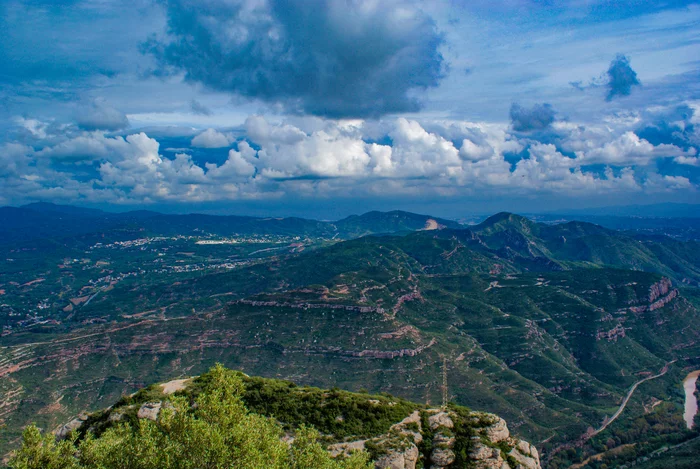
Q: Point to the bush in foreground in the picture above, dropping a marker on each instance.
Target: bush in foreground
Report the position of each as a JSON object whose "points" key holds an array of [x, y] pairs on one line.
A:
{"points": [[216, 432]]}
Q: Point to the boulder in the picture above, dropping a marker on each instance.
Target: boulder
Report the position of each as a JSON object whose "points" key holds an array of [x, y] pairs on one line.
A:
{"points": [[440, 439], [346, 448], [441, 457], [441, 419], [64, 431], [527, 449], [413, 420], [149, 410], [486, 457], [497, 431], [399, 459], [526, 455]]}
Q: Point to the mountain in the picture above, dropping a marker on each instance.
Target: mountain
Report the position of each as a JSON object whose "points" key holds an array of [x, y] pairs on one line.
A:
{"points": [[219, 419], [389, 222], [578, 244], [69, 210], [50, 221], [547, 326]]}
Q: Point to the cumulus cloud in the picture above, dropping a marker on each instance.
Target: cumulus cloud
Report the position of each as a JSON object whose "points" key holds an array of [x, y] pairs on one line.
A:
{"points": [[548, 169], [537, 117], [629, 149], [674, 125], [328, 158], [212, 138], [328, 57], [621, 77], [98, 115]]}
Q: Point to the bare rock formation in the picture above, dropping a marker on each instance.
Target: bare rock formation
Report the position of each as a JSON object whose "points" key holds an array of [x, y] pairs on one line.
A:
{"points": [[149, 410]]}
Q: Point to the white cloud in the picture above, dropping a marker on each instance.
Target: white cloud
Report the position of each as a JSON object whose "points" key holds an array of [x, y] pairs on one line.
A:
{"points": [[326, 158], [628, 149], [211, 138]]}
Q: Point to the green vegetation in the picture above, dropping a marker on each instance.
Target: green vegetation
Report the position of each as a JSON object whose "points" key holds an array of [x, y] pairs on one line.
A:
{"points": [[217, 432], [546, 326]]}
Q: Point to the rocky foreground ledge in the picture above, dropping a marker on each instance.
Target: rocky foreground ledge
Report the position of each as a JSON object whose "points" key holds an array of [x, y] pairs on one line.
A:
{"points": [[491, 445], [425, 437]]}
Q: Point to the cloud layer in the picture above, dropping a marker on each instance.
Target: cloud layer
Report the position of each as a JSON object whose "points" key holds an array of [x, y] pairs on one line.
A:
{"points": [[184, 101], [99, 115], [326, 158], [326, 57]]}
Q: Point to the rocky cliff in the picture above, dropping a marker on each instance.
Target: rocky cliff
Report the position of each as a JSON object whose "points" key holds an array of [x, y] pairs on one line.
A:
{"points": [[425, 437]]}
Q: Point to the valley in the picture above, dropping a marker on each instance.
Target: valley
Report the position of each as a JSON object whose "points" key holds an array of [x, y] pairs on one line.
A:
{"points": [[558, 329]]}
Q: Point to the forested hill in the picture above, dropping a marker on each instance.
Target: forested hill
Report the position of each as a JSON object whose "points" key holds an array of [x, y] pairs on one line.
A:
{"points": [[43, 220], [225, 420]]}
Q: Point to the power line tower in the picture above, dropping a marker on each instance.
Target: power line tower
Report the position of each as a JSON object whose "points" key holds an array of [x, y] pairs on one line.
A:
{"points": [[445, 395]]}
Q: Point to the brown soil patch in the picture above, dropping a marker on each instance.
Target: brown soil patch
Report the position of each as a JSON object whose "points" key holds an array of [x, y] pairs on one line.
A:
{"points": [[28, 284], [174, 385]]}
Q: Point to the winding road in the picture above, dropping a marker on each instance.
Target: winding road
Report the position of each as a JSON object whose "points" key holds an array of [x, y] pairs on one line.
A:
{"points": [[627, 398]]}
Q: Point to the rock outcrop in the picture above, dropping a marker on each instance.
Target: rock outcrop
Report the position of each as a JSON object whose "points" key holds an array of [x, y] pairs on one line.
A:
{"points": [[440, 419], [149, 410], [660, 294], [428, 438], [402, 459], [659, 289], [65, 430], [487, 457], [401, 444]]}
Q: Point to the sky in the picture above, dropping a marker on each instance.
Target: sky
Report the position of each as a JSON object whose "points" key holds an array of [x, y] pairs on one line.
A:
{"points": [[324, 108]]}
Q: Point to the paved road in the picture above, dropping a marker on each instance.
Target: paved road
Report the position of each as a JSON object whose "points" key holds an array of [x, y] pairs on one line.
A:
{"points": [[628, 396]]}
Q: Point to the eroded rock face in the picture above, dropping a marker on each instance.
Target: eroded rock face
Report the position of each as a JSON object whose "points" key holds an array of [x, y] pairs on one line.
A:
{"points": [[660, 294], [344, 448], [525, 459], [485, 457], [441, 419], [149, 410], [441, 457], [405, 459], [498, 431], [659, 289], [64, 431]]}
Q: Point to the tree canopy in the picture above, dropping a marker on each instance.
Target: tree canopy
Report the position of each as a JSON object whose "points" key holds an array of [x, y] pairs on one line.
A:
{"points": [[216, 432]]}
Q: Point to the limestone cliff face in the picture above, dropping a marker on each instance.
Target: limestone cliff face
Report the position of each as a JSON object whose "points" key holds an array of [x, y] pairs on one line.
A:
{"points": [[660, 294], [659, 289], [489, 447]]}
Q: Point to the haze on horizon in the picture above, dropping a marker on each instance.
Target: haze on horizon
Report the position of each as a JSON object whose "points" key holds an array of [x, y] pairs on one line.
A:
{"points": [[327, 107]]}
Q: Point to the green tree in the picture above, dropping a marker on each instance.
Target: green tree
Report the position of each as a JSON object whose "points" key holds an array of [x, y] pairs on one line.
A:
{"points": [[39, 452], [217, 432]]}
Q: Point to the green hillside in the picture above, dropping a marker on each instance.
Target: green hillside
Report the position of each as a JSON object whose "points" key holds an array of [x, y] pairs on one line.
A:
{"points": [[225, 419], [548, 326]]}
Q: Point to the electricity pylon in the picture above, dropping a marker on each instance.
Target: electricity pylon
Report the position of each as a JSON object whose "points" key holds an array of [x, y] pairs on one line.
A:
{"points": [[445, 394]]}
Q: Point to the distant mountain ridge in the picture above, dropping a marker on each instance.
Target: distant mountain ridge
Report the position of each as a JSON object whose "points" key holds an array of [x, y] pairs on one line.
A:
{"points": [[40, 220], [516, 240]]}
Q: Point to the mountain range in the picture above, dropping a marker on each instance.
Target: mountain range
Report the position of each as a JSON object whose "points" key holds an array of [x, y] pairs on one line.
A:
{"points": [[547, 325]]}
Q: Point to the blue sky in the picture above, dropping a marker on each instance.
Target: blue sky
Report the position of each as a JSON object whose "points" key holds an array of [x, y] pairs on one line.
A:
{"points": [[324, 108]]}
